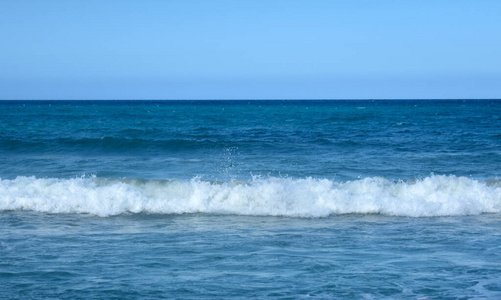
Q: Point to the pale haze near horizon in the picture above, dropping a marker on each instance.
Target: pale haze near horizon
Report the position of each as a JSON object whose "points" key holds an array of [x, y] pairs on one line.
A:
{"points": [[250, 49]]}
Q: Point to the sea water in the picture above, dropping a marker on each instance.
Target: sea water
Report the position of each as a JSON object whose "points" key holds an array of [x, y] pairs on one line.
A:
{"points": [[250, 199]]}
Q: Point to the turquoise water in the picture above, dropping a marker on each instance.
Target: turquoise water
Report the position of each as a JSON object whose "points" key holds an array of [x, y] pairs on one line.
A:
{"points": [[239, 199]]}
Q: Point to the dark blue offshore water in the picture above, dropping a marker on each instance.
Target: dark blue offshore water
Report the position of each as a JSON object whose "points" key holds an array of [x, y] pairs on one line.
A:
{"points": [[341, 140], [250, 199]]}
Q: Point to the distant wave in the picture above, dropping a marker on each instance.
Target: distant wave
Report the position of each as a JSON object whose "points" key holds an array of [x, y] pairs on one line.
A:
{"points": [[107, 144], [436, 195]]}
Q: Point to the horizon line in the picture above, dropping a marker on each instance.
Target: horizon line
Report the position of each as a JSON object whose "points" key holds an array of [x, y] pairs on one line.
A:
{"points": [[268, 99]]}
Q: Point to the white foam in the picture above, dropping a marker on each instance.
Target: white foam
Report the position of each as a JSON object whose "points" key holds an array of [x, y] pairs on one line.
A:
{"points": [[431, 196]]}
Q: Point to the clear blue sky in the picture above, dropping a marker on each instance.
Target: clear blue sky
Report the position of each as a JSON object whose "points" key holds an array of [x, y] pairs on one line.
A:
{"points": [[250, 49]]}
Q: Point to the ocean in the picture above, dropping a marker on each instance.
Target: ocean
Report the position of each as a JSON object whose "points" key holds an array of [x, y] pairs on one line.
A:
{"points": [[250, 199]]}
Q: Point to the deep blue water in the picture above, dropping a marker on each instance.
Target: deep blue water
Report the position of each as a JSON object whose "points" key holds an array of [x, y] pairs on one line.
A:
{"points": [[340, 140], [239, 199]]}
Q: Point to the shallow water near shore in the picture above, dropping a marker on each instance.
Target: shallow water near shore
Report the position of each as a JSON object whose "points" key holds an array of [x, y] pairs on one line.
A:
{"points": [[227, 256]]}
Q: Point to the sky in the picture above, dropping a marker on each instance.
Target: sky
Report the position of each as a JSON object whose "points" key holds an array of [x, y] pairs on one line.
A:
{"points": [[271, 49]]}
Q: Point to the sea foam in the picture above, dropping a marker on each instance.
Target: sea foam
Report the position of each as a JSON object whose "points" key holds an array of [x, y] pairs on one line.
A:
{"points": [[437, 195]]}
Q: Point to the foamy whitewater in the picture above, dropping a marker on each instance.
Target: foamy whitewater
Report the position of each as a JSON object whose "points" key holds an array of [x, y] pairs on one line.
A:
{"points": [[428, 197], [250, 199]]}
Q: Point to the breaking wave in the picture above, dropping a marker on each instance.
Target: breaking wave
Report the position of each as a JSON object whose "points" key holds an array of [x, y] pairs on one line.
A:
{"points": [[436, 195]]}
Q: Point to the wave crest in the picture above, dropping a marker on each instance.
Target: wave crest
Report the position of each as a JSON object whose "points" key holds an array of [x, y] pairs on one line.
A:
{"points": [[436, 195]]}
